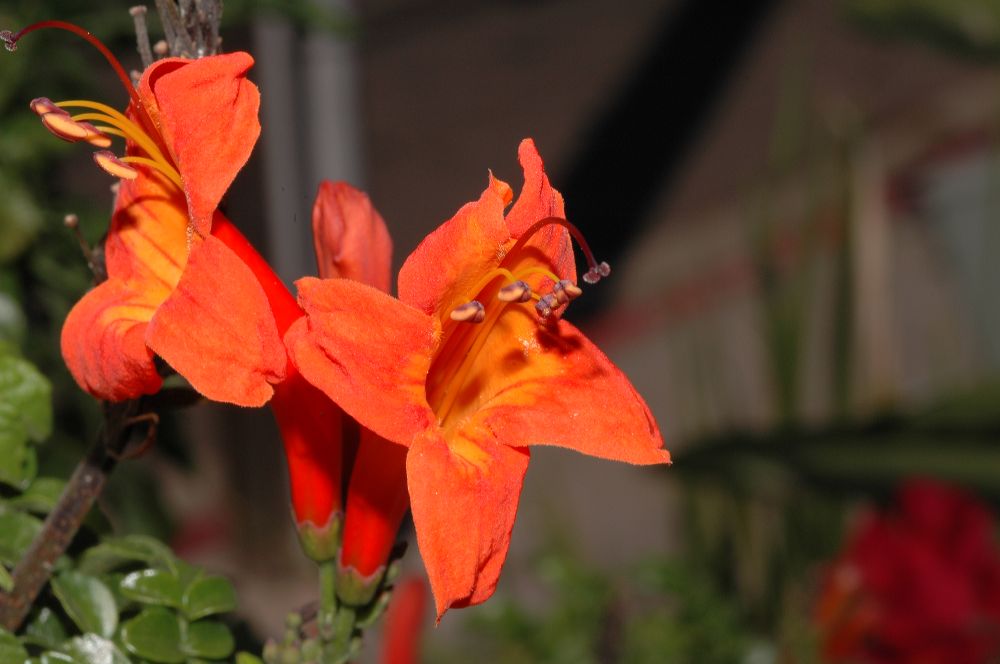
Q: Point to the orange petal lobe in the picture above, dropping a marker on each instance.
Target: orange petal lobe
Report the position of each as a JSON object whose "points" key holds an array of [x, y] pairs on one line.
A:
{"points": [[368, 352], [539, 200], [549, 385], [464, 498], [216, 329], [350, 237], [443, 270], [207, 109], [103, 342]]}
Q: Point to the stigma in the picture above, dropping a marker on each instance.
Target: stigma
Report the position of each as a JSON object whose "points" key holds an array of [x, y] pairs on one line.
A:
{"points": [[97, 123]]}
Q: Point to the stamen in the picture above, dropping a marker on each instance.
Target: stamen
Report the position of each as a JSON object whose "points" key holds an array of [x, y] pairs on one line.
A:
{"points": [[470, 312], [42, 105], [63, 126], [566, 290], [114, 166], [159, 166], [519, 291], [546, 306], [116, 118]]}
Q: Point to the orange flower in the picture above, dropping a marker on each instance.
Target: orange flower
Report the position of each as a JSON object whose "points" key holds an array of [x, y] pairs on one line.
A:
{"points": [[183, 283], [189, 128], [463, 371]]}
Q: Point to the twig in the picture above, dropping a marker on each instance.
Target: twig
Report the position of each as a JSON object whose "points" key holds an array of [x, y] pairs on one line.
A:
{"points": [[142, 35], [63, 522]]}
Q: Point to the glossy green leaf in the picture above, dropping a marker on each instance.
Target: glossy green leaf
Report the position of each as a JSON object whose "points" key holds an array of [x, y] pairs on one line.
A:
{"points": [[41, 496], [152, 586], [45, 630], [114, 552], [209, 639], [92, 649], [155, 634], [208, 595], [87, 601], [11, 650], [18, 529], [25, 415]]}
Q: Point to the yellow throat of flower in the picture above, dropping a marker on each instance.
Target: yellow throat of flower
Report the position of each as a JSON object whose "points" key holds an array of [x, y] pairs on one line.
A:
{"points": [[468, 326]]}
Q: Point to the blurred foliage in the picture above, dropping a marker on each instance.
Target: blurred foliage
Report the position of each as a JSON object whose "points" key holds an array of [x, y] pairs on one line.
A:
{"points": [[660, 611], [969, 28]]}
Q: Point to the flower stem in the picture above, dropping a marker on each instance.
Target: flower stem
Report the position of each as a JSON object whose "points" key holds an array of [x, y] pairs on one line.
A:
{"points": [[33, 570]]}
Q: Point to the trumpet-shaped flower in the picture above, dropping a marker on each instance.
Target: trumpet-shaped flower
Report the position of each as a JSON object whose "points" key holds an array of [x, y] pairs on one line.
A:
{"points": [[189, 127], [183, 283], [470, 368]]}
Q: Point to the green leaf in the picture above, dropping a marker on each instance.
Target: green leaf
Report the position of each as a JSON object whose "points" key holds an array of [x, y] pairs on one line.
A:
{"points": [[45, 630], [209, 639], [154, 634], [92, 649], [208, 595], [87, 601], [247, 658], [41, 496], [152, 586], [53, 657], [19, 529], [114, 552], [12, 322], [6, 580], [11, 650], [25, 415]]}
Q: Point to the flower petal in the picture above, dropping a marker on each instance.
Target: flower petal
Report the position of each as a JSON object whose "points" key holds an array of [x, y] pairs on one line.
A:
{"points": [[537, 201], [216, 329], [443, 270], [103, 342], [207, 110], [549, 385], [147, 241], [464, 498], [368, 352], [350, 237]]}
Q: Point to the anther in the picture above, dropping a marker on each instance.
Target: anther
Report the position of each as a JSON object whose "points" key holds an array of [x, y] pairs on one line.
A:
{"points": [[546, 305], [598, 271], [470, 312], [65, 127], [518, 291], [42, 105], [566, 290], [161, 49], [114, 166]]}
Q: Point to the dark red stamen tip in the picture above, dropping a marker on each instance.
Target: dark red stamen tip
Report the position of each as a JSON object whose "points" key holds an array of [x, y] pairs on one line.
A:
{"points": [[10, 40]]}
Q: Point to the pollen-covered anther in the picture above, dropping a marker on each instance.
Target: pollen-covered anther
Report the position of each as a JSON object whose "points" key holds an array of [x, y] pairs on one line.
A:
{"points": [[565, 291], [518, 291], [546, 305], [111, 164], [598, 271], [65, 127], [470, 312]]}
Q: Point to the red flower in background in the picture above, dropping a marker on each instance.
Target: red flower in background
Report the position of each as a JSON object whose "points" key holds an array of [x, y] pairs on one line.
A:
{"points": [[917, 584]]}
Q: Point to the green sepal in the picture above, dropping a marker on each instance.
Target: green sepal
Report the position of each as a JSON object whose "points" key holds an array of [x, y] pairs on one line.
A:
{"points": [[321, 543]]}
